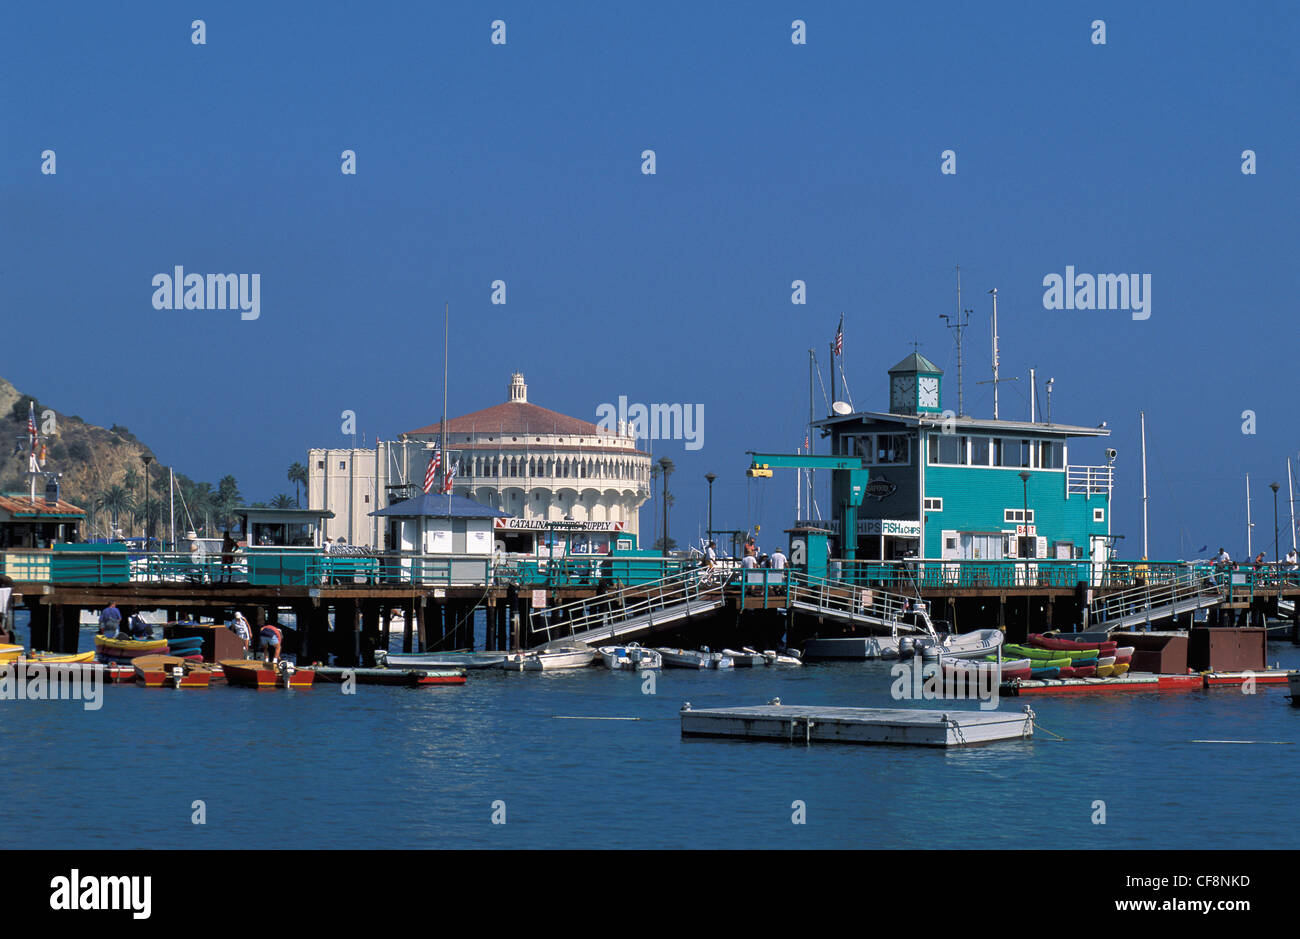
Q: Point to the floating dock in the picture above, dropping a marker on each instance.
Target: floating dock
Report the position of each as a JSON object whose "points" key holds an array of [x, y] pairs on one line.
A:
{"points": [[1141, 681], [391, 676], [903, 726]]}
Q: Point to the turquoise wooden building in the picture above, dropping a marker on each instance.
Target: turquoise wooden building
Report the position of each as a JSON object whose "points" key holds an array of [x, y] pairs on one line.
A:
{"points": [[945, 486]]}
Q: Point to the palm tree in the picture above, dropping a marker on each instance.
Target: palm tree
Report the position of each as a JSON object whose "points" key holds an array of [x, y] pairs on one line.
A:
{"points": [[297, 474], [115, 500], [227, 500], [284, 501], [666, 466]]}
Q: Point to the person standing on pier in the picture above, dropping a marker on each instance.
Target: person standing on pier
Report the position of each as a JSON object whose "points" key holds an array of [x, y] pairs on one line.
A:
{"points": [[228, 547], [778, 560]]}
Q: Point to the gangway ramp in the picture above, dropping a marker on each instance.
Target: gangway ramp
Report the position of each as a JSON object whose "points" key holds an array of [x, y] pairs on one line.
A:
{"points": [[848, 603], [1151, 603], [635, 610]]}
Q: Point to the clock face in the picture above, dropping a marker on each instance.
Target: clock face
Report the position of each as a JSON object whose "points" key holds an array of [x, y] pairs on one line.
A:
{"points": [[904, 391], [927, 392]]}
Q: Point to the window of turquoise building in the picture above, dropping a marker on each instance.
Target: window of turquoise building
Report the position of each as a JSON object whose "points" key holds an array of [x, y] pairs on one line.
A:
{"points": [[947, 449], [979, 451], [893, 450]]}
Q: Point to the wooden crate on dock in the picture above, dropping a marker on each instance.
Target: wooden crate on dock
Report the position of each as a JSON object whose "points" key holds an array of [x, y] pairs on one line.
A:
{"points": [[1159, 653]]}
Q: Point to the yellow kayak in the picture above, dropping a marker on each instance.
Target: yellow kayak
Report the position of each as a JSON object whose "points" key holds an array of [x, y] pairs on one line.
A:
{"points": [[129, 648], [9, 653], [58, 657]]}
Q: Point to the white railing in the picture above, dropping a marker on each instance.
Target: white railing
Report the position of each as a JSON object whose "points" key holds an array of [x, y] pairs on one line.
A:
{"points": [[837, 598], [1193, 590], [1089, 480]]}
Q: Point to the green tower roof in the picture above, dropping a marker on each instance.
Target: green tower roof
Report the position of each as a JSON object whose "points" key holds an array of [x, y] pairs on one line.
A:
{"points": [[916, 363]]}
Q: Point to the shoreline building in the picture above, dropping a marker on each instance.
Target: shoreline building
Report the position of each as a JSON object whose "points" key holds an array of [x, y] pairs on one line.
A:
{"points": [[523, 460], [943, 486]]}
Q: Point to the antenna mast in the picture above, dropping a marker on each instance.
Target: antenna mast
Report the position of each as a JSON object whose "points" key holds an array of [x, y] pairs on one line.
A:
{"points": [[994, 291], [958, 324]]}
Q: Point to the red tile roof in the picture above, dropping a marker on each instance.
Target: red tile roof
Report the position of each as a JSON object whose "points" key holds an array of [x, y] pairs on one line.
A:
{"points": [[515, 417], [23, 506]]}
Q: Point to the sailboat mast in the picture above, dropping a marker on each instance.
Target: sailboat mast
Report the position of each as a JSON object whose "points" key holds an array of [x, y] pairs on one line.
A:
{"points": [[812, 360], [1290, 490], [442, 443], [1142, 415], [1249, 524], [994, 291]]}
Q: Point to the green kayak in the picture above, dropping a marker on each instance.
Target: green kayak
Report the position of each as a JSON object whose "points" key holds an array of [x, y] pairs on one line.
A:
{"points": [[1057, 657]]}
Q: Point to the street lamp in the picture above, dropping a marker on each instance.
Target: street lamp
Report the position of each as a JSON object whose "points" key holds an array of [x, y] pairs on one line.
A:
{"points": [[1274, 487], [1024, 518], [710, 477], [147, 460]]}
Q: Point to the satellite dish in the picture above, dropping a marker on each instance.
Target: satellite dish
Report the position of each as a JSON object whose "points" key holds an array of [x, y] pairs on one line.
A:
{"points": [[841, 407]]}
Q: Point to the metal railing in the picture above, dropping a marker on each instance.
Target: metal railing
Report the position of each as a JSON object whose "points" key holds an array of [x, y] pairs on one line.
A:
{"points": [[1088, 480], [1198, 587], [691, 589], [840, 598]]}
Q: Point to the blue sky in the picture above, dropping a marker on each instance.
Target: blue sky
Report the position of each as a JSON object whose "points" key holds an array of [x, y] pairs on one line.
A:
{"points": [[775, 162]]}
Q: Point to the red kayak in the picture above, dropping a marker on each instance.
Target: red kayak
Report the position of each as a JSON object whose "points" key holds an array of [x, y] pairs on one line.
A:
{"points": [[1050, 642], [1083, 671]]}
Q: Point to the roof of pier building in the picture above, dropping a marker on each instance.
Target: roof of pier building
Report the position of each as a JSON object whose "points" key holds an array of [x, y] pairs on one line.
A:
{"points": [[516, 418]]}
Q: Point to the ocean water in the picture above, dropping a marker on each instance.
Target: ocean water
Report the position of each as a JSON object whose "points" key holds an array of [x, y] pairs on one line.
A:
{"points": [[430, 767]]}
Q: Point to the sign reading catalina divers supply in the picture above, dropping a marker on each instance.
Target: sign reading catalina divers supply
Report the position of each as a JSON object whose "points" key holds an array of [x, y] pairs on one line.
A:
{"points": [[541, 524], [880, 488]]}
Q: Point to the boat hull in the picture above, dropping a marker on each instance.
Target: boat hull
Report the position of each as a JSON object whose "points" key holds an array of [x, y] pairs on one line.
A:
{"points": [[249, 673], [397, 677], [156, 671]]}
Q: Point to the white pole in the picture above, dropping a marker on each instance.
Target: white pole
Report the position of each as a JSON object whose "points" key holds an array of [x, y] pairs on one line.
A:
{"points": [[1291, 492], [171, 502], [1143, 416], [1033, 389], [994, 291], [798, 489], [1250, 551]]}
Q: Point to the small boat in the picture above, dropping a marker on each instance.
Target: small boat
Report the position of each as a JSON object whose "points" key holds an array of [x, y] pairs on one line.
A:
{"points": [[551, 658], [408, 677], [786, 657], [746, 658], [254, 673], [440, 660], [169, 671], [52, 658], [972, 645], [630, 657], [685, 658], [125, 649], [967, 670]]}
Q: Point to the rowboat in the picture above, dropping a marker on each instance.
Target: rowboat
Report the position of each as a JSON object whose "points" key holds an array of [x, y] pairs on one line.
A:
{"points": [[549, 659], [410, 677], [970, 645], [965, 670], [169, 671], [254, 673], [630, 657], [440, 660], [123, 649]]}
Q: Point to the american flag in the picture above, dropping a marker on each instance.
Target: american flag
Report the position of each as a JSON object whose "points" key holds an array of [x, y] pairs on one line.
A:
{"points": [[431, 473], [446, 480], [839, 337]]}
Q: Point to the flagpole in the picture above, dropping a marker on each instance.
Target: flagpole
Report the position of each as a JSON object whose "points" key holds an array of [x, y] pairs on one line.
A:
{"points": [[446, 319], [1291, 492]]}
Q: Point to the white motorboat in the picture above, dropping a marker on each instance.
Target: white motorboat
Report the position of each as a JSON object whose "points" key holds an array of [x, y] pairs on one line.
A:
{"points": [[972, 645], [685, 658], [747, 658], [789, 657], [437, 660], [630, 657], [550, 659]]}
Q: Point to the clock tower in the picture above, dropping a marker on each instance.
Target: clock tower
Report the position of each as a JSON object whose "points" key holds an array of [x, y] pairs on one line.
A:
{"points": [[914, 386]]}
